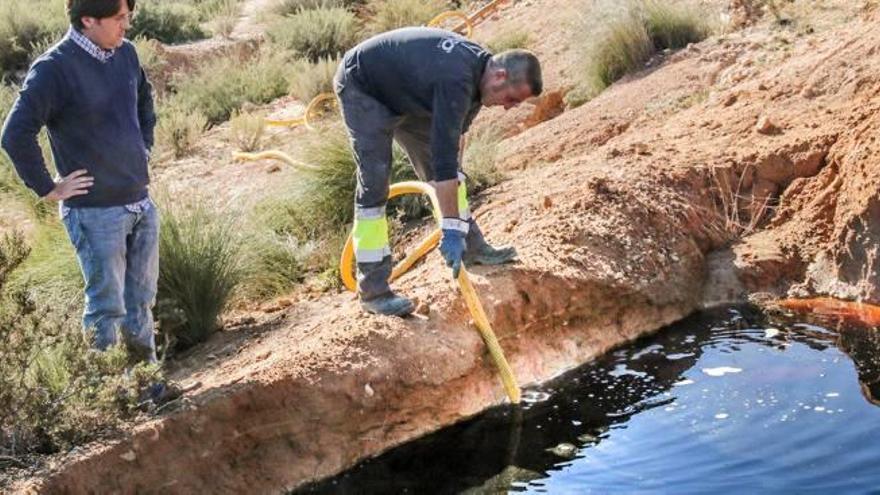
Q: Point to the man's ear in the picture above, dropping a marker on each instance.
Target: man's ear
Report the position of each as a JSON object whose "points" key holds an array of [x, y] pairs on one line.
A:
{"points": [[88, 22], [500, 75]]}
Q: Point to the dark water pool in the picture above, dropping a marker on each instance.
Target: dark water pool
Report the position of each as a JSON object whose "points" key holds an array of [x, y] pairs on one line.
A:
{"points": [[729, 401]]}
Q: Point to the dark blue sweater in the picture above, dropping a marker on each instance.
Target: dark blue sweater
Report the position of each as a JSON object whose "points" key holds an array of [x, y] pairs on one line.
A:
{"points": [[100, 117]]}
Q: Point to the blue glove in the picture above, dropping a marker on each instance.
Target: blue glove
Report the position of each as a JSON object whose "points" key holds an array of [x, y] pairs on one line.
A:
{"points": [[452, 247]]}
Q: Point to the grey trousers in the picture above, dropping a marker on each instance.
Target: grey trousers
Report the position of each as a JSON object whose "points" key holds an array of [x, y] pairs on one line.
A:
{"points": [[372, 128]]}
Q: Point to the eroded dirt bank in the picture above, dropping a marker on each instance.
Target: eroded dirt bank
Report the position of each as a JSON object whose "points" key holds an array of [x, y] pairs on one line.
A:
{"points": [[764, 138]]}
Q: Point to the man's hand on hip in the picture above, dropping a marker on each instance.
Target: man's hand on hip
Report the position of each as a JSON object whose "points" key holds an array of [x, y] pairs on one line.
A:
{"points": [[75, 184]]}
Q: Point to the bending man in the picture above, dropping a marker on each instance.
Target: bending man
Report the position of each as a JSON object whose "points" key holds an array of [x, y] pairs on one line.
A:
{"points": [[421, 87]]}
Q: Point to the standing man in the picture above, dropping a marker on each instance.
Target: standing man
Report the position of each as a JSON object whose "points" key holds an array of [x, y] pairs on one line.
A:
{"points": [[93, 97], [421, 87]]}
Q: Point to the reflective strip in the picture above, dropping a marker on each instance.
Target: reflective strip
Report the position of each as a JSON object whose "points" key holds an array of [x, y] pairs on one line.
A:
{"points": [[370, 213], [370, 234], [371, 255], [463, 207], [455, 224]]}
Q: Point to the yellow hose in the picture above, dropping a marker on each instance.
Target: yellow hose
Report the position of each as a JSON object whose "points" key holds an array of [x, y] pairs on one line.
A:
{"points": [[454, 14], [310, 115], [346, 267], [468, 23], [272, 155]]}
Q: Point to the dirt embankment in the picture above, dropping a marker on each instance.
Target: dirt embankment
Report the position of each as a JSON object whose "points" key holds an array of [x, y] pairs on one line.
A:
{"points": [[763, 138]]}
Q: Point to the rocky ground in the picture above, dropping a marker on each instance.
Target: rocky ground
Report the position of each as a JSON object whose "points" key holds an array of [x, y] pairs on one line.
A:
{"points": [[741, 164]]}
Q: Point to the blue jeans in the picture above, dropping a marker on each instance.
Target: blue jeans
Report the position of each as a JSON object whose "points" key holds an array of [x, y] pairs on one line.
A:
{"points": [[118, 252]]}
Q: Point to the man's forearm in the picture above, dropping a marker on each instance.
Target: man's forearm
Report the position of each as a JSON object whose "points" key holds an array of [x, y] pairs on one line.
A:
{"points": [[447, 196]]}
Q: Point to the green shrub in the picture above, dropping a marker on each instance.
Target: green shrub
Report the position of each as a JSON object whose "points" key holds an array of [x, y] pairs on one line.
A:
{"points": [[223, 85], [316, 33], [25, 26], [508, 40], [178, 130], [286, 7], [247, 130], [625, 41], [481, 151], [625, 47], [273, 264], [200, 270], [54, 391], [51, 275], [674, 26], [393, 14], [312, 79], [168, 22]]}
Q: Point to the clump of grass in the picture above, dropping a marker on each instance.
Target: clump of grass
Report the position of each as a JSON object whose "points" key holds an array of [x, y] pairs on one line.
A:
{"points": [[286, 7], [316, 33], [626, 46], [168, 22], [393, 14], [509, 40], [200, 270], [312, 79], [51, 274], [247, 130], [479, 161], [178, 130], [54, 391], [627, 40], [257, 80], [674, 26], [274, 264]]}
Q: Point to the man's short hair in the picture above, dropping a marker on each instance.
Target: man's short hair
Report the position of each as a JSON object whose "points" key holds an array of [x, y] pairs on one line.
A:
{"points": [[99, 9], [522, 66]]}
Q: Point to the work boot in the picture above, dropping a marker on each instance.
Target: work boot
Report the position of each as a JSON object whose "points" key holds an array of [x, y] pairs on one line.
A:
{"points": [[484, 254], [389, 304]]}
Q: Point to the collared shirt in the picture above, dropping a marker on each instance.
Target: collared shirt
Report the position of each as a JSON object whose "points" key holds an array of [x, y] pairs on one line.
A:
{"points": [[91, 48], [102, 56]]}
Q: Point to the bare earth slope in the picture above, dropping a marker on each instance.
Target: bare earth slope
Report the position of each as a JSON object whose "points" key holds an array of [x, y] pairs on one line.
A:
{"points": [[615, 208]]}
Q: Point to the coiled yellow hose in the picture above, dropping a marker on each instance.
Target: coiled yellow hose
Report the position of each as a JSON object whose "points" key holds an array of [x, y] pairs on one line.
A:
{"points": [[468, 23], [346, 268]]}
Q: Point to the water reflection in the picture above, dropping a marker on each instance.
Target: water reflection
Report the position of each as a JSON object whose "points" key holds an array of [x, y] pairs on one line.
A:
{"points": [[724, 401]]}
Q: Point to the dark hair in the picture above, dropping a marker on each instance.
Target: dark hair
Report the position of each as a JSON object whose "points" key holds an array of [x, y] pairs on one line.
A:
{"points": [[521, 66], [99, 9]]}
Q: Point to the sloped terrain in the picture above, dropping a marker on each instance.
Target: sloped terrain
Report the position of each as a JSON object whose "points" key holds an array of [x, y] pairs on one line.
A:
{"points": [[757, 144]]}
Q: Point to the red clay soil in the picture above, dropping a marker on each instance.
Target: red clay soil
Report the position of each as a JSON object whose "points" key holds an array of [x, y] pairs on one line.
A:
{"points": [[615, 208]]}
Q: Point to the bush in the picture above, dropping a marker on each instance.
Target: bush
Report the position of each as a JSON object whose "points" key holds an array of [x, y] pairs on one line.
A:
{"points": [[312, 79], [286, 7], [393, 14], [54, 391], [316, 33], [168, 22], [24, 26], [51, 275], [674, 26], [247, 130], [178, 130], [508, 40], [625, 42], [481, 150], [625, 48], [274, 264], [258, 80], [200, 270]]}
